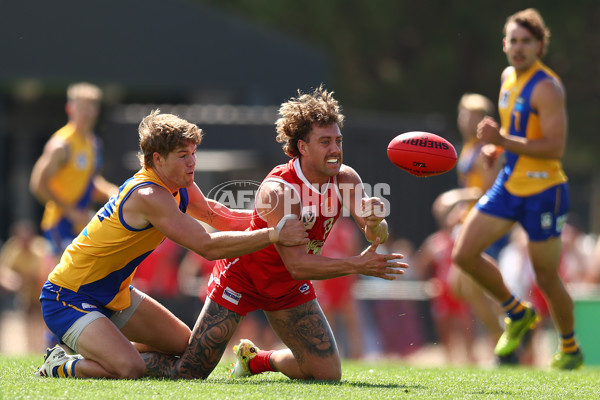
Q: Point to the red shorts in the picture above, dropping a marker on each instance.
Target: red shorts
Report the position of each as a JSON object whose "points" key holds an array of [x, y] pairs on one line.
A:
{"points": [[237, 293]]}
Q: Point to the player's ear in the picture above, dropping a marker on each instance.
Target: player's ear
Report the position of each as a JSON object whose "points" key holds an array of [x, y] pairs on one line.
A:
{"points": [[156, 158], [302, 146]]}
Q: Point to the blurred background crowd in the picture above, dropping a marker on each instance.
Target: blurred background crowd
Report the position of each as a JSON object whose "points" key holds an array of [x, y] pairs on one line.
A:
{"points": [[226, 66]]}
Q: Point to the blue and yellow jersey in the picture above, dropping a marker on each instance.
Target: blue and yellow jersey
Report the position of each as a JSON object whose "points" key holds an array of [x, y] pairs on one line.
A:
{"points": [[73, 182], [523, 175], [102, 260], [469, 175]]}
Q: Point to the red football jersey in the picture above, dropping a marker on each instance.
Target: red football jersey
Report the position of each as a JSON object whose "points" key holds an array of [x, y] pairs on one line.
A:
{"points": [[262, 275]]}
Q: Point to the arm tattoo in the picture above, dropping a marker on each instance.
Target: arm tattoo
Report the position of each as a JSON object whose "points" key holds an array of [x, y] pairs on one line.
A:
{"points": [[209, 339]]}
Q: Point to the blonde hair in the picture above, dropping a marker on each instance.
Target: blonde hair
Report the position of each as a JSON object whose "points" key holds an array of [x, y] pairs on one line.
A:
{"points": [[84, 91], [299, 114], [531, 20], [476, 102], [163, 133]]}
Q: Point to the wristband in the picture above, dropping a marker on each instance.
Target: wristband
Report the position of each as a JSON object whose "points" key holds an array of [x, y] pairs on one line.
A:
{"points": [[273, 235], [274, 232]]}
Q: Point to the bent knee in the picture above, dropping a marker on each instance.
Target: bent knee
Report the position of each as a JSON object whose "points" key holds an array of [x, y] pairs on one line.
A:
{"points": [[131, 369], [329, 376], [460, 256], [327, 371]]}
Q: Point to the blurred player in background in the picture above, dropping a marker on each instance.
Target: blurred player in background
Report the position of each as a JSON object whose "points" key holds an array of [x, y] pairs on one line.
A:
{"points": [[475, 177], [312, 185], [66, 178], [531, 188], [88, 301], [451, 316], [24, 260]]}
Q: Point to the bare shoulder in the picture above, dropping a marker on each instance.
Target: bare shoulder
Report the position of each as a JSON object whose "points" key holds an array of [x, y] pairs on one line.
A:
{"points": [[146, 203], [56, 147], [548, 94], [348, 174], [274, 199], [507, 71], [549, 88], [151, 194]]}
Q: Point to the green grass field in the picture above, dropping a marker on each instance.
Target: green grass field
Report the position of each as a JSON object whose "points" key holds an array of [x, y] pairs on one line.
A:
{"points": [[361, 380]]}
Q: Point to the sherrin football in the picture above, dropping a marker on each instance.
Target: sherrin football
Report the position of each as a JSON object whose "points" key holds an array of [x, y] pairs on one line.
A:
{"points": [[422, 153]]}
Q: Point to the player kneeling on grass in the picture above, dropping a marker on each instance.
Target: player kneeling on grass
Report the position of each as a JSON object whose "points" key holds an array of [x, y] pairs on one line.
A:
{"points": [[88, 301], [313, 185]]}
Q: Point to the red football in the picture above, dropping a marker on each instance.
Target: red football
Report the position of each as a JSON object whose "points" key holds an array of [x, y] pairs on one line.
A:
{"points": [[422, 153]]}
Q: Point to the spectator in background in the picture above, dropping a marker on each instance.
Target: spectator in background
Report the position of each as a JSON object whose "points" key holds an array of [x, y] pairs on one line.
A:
{"points": [[335, 295], [23, 267], [66, 177]]}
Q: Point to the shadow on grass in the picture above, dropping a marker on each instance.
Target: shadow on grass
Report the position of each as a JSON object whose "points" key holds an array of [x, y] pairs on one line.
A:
{"points": [[366, 385]]}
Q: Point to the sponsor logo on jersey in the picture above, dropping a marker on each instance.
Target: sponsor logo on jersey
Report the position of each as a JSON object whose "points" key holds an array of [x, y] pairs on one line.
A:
{"points": [[503, 103], [87, 305], [304, 288], [537, 174], [231, 295]]}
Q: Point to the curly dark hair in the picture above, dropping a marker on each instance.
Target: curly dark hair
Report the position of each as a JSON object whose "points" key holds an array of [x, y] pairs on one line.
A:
{"points": [[163, 133], [299, 114]]}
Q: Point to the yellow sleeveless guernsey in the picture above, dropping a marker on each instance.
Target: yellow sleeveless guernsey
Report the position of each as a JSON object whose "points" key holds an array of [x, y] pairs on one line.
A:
{"points": [[526, 176], [73, 182], [102, 260], [468, 171]]}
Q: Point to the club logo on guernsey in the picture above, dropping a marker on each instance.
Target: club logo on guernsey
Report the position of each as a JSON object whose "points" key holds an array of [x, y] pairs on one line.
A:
{"points": [[81, 161], [309, 216], [231, 295]]}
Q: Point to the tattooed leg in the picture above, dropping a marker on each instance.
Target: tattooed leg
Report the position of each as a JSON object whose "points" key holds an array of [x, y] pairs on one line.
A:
{"points": [[208, 342], [313, 352]]}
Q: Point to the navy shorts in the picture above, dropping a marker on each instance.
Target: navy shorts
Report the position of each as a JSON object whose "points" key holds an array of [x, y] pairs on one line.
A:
{"points": [[542, 215], [60, 236]]}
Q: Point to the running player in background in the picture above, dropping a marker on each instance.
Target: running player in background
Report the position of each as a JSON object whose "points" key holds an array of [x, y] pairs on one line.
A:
{"points": [[66, 178], [88, 301], [313, 185], [475, 176], [531, 188]]}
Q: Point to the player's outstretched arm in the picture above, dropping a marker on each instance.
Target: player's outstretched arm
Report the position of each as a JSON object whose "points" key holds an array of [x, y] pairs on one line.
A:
{"points": [[276, 200], [155, 205], [315, 267]]}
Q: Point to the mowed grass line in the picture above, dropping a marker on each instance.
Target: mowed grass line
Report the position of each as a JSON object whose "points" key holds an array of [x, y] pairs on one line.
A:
{"points": [[361, 380]]}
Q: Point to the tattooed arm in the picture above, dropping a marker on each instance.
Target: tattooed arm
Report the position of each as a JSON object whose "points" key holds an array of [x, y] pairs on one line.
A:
{"points": [[216, 214]]}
